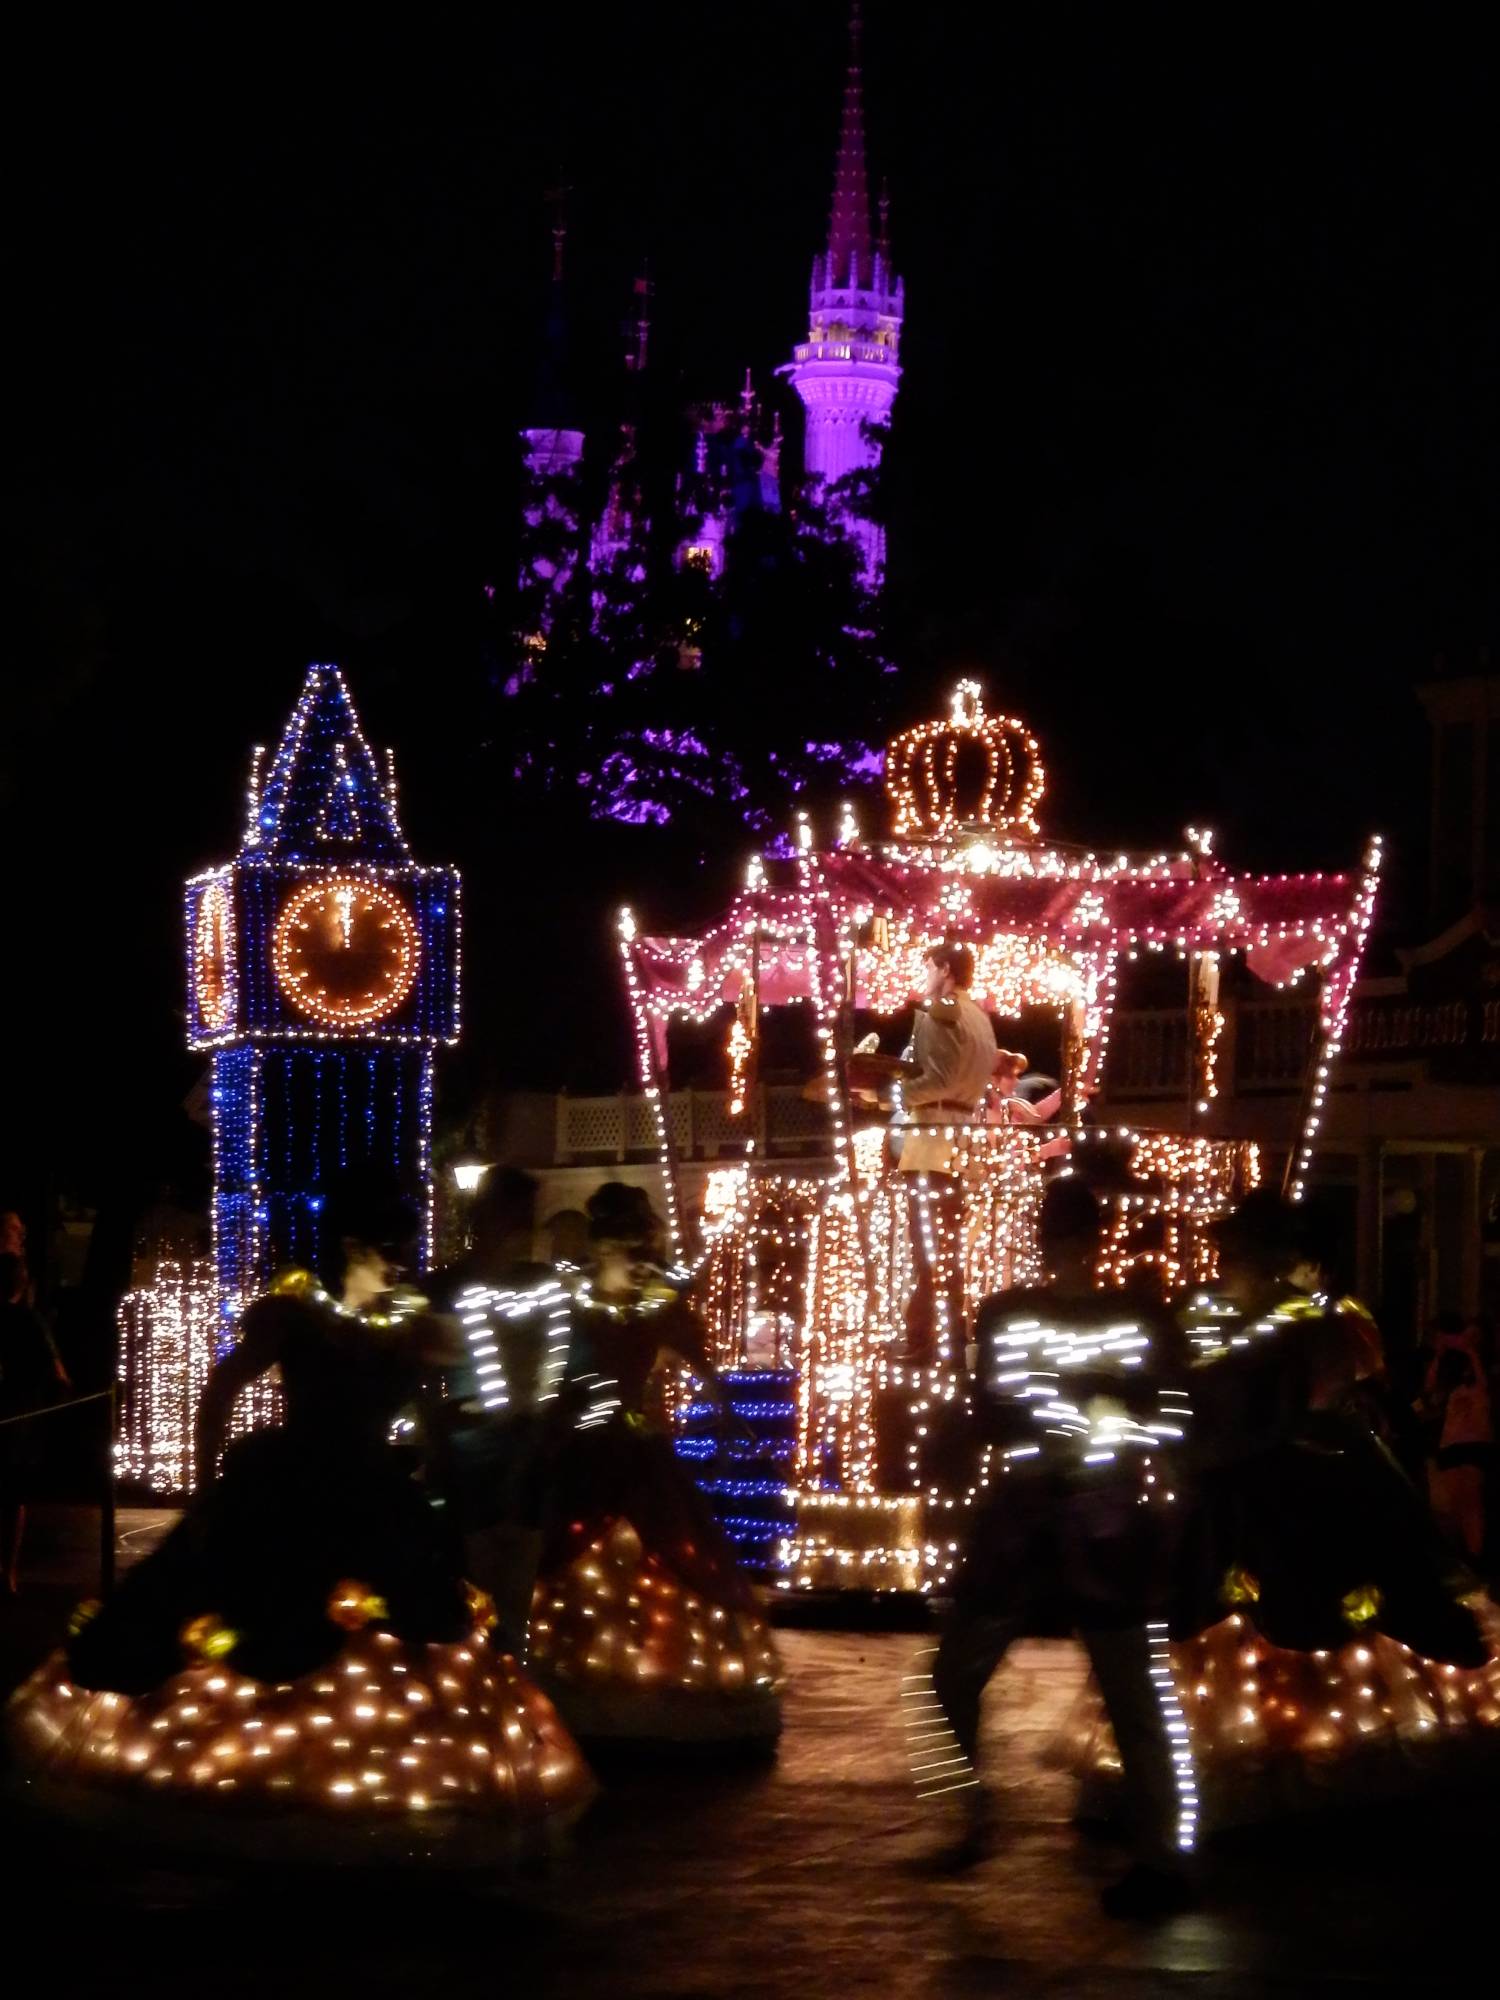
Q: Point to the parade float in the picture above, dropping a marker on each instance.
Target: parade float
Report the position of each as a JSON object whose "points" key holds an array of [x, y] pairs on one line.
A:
{"points": [[322, 977], [803, 1269]]}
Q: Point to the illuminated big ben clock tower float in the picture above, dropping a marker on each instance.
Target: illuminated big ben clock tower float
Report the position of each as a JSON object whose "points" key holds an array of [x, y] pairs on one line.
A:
{"points": [[323, 971]]}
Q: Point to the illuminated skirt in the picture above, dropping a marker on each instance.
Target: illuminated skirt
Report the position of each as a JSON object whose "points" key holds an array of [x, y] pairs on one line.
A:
{"points": [[1277, 1732], [1319, 1541], [300, 1667], [643, 1626], [1349, 1666]]}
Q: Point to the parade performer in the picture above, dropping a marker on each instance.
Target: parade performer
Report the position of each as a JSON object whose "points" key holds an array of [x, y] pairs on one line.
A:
{"points": [[496, 1433], [943, 1081], [301, 1654], [643, 1626], [1019, 1096], [1299, 1497], [1320, 1623], [1085, 1406]]}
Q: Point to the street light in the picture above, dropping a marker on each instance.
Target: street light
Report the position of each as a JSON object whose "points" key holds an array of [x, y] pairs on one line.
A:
{"points": [[467, 1174]]}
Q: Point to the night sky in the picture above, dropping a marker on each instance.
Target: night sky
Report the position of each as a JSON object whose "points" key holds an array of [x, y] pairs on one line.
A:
{"points": [[1194, 458]]}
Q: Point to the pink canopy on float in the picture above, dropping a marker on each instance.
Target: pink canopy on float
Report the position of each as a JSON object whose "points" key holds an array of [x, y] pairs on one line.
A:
{"points": [[1047, 923], [1284, 924]]}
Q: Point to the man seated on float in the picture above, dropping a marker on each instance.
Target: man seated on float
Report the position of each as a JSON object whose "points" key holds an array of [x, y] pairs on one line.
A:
{"points": [[943, 1079], [1021, 1096]]}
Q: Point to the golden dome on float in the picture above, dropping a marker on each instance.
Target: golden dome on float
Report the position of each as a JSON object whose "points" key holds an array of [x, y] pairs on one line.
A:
{"points": [[965, 772]]}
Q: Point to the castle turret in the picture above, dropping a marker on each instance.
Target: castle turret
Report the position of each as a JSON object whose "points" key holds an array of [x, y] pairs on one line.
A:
{"points": [[620, 534], [847, 371], [552, 448], [553, 439]]}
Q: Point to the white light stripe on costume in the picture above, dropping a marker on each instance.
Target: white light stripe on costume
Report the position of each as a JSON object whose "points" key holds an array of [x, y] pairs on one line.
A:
{"points": [[1031, 1362], [481, 1307], [1184, 1773], [603, 1401], [938, 1764]]}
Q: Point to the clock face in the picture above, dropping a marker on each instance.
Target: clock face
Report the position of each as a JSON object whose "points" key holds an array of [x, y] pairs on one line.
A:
{"points": [[213, 944], [345, 950]]}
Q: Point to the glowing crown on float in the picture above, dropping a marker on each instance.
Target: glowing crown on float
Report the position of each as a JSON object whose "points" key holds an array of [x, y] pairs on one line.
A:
{"points": [[970, 771]]}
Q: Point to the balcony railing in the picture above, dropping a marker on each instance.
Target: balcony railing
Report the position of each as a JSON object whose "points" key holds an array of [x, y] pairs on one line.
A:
{"points": [[782, 1122], [1268, 1043], [1265, 1044], [1264, 1047], [846, 350], [1263, 1051]]}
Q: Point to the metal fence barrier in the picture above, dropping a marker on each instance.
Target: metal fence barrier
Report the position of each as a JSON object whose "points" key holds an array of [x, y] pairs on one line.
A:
{"points": [[109, 1397]]}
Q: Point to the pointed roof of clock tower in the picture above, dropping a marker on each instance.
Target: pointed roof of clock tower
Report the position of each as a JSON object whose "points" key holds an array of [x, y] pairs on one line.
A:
{"points": [[326, 795]]}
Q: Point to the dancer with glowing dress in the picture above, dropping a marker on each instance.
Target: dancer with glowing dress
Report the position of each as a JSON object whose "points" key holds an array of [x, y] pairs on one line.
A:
{"points": [[1325, 1639], [497, 1431], [301, 1654], [643, 1627]]}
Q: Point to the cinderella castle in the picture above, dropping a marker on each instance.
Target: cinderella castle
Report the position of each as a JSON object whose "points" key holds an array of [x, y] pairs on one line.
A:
{"points": [[732, 465]]}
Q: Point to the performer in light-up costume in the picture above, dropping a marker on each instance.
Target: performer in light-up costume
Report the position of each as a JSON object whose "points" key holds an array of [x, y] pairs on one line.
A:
{"points": [[301, 1660], [644, 1625], [1084, 1400], [505, 1416], [1325, 1643]]}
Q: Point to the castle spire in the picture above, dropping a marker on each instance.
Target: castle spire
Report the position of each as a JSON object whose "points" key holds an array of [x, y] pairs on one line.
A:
{"points": [[557, 198], [638, 329], [848, 369], [849, 221], [552, 445], [619, 529], [553, 436]]}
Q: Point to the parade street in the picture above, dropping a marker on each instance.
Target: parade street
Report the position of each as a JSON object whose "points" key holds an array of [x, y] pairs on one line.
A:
{"points": [[804, 1878]]}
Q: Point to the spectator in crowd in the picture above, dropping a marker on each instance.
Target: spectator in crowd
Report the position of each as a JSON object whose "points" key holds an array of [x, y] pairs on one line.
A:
{"points": [[1456, 1407], [31, 1372]]}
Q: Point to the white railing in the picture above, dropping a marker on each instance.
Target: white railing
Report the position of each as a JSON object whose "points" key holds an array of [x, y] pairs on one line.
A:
{"points": [[620, 1128], [1263, 1050], [1264, 1047], [846, 350]]}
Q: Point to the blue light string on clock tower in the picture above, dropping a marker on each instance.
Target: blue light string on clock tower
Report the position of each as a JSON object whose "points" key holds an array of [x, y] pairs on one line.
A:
{"points": [[323, 972]]}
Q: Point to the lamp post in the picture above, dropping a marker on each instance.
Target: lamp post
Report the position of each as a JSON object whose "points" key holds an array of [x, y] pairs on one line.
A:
{"points": [[468, 1178]]}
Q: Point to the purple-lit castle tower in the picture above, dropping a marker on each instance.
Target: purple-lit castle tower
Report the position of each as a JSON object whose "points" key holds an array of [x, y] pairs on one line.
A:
{"points": [[846, 374], [552, 442], [552, 460], [676, 546], [847, 371]]}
